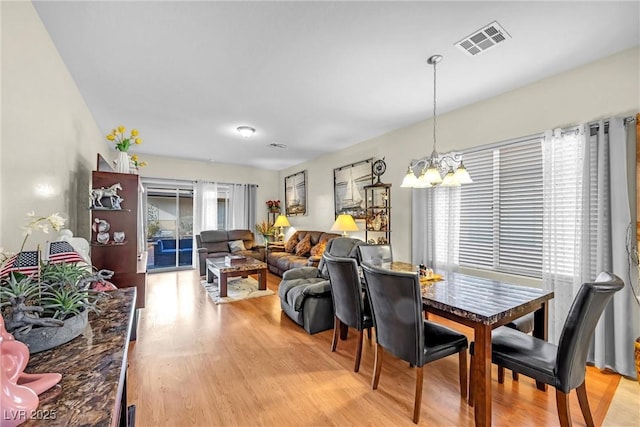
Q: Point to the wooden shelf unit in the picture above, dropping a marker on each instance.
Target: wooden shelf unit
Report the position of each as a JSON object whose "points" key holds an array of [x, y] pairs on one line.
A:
{"points": [[121, 258], [378, 212]]}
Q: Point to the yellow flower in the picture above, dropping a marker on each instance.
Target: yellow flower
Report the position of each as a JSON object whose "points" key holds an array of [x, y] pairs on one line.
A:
{"points": [[138, 141], [134, 132], [134, 158], [111, 137], [143, 164], [121, 129]]}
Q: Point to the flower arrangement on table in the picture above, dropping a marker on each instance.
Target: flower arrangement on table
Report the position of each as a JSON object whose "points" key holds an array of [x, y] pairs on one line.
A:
{"points": [[122, 141], [274, 205]]}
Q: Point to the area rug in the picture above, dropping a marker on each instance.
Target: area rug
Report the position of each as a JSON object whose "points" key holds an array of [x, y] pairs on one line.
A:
{"points": [[238, 288]]}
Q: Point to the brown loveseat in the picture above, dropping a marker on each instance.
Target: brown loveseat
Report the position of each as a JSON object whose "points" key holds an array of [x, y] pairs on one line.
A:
{"points": [[306, 255], [215, 244]]}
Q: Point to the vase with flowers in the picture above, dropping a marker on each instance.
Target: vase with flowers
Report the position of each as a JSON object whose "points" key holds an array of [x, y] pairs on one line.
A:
{"points": [[122, 144], [273, 205], [266, 229]]}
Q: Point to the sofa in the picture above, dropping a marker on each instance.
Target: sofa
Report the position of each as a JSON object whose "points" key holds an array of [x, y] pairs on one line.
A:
{"points": [[305, 292], [164, 252], [294, 255], [220, 243]]}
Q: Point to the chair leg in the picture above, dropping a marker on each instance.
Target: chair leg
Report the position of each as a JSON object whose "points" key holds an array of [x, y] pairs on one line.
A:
{"points": [[462, 368], [356, 367], [377, 366], [562, 402], [344, 331], [336, 330], [584, 404], [418, 400], [514, 375], [472, 383], [501, 374]]}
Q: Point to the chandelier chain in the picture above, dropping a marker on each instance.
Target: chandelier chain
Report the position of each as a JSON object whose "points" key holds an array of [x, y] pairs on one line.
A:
{"points": [[435, 63]]}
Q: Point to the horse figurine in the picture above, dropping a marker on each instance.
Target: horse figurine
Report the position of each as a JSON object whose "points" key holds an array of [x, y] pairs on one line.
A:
{"points": [[97, 194]]}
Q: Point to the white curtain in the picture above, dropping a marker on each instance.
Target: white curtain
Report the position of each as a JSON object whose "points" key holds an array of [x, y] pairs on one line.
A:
{"points": [[563, 156], [586, 215], [242, 207], [205, 207], [436, 246]]}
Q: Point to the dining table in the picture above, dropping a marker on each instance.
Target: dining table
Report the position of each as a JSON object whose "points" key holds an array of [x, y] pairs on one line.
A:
{"points": [[483, 305]]}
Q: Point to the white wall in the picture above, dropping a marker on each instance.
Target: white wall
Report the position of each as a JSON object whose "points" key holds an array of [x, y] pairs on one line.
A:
{"points": [[49, 137], [598, 90]]}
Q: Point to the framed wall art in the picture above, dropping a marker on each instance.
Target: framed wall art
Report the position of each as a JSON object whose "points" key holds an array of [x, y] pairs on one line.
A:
{"points": [[348, 188], [295, 194]]}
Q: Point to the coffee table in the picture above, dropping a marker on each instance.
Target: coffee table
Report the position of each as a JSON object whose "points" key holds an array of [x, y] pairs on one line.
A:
{"points": [[218, 268]]}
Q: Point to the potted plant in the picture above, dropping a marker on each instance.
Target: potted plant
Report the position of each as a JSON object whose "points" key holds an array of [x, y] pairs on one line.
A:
{"points": [[266, 229], [51, 308]]}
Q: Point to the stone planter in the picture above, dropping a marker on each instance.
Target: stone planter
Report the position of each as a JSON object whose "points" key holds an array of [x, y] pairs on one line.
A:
{"points": [[44, 338]]}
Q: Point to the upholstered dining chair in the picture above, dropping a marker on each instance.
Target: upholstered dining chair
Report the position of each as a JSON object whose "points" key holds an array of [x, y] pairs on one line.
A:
{"points": [[561, 366], [375, 254], [351, 310], [401, 330]]}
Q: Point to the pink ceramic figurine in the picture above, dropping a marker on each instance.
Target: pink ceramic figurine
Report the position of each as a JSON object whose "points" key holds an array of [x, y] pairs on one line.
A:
{"points": [[18, 390]]}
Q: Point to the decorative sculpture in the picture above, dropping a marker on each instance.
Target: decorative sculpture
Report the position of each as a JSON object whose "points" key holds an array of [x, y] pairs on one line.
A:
{"points": [[98, 281], [97, 194], [19, 390]]}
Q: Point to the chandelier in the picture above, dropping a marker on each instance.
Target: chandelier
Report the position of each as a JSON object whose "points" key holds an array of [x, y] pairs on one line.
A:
{"points": [[430, 169]]}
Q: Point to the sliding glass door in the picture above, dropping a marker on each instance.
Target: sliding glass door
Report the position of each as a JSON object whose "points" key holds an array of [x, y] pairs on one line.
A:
{"points": [[169, 226]]}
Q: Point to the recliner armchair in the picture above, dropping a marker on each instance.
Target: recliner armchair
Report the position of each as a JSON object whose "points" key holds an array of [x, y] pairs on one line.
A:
{"points": [[305, 292]]}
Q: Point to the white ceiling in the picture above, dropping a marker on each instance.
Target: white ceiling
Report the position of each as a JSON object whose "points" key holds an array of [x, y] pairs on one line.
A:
{"points": [[316, 76]]}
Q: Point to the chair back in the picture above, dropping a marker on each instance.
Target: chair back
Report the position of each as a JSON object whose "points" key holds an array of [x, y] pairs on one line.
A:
{"points": [[577, 333], [375, 254], [348, 303], [340, 247], [396, 303]]}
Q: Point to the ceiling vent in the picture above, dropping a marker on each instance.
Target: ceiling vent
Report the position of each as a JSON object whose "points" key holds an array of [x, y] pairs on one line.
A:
{"points": [[483, 39], [277, 145]]}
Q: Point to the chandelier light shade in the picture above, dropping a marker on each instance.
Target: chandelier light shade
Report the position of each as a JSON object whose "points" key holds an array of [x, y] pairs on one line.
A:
{"points": [[428, 172], [344, 223], [245, 131], [281, 222]]}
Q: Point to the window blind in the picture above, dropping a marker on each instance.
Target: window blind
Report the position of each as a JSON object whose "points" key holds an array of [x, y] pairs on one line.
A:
{"points": [[501, 211]]}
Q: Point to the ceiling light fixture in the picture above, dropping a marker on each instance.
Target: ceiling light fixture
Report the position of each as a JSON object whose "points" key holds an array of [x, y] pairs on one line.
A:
{"points": [[436, 164], [245, 131]]}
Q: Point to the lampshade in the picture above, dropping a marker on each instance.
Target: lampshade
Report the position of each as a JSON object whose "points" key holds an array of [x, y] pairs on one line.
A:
{"points": [[281, 221], [344, 223], [409, 179]]}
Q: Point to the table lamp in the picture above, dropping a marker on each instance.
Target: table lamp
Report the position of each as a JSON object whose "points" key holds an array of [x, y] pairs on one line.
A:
{"points": [[281, 222], [344, 223]]}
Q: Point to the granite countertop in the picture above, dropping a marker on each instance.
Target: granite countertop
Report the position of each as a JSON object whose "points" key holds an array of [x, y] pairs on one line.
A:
{"points": [[92, 365]]}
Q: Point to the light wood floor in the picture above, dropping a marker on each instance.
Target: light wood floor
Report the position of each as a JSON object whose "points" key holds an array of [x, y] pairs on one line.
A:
{"points": [[247, 364]]}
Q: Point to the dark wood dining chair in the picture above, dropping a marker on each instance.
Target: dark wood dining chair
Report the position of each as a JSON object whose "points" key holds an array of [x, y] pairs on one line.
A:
{"points": [[401, 330], [351, 310], [561, 366], [375, 254]]}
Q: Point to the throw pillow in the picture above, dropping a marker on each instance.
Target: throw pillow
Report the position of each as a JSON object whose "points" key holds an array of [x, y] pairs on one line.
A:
{"points": [[318, 249], [304, 246], [290, 246], [236, 246]]}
